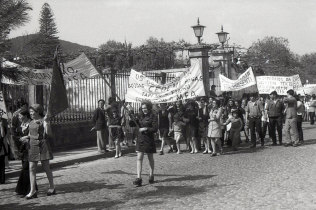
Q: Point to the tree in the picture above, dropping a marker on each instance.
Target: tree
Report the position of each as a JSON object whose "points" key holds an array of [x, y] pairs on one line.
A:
{"points": [[47, 38], [308, 65], [13, 14], [272, 56]]}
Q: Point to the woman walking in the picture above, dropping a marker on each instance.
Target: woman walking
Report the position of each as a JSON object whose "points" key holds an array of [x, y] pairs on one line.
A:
{"points": [[39, 150], [146, 143], [214, 127]]}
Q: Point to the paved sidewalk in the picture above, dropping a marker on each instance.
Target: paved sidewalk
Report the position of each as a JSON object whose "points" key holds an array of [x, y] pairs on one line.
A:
{"points": [[70, 157]]}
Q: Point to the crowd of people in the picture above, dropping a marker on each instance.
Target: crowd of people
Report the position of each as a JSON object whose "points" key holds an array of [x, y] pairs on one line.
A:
{"points": [[25, 137], [204, 124]]}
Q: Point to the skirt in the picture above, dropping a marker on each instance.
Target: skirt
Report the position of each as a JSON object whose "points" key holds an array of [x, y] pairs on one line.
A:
{"points": [[146, 144], [40, 150]]}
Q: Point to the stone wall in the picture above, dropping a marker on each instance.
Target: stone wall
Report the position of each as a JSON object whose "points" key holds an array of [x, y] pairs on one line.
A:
{"points": [[72, 135]]}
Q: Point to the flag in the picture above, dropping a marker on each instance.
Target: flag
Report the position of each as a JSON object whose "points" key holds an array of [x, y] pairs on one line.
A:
{"points": [[58, 101]]}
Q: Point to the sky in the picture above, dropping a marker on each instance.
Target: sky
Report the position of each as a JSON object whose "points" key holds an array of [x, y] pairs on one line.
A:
{"points": [[94, 22]]}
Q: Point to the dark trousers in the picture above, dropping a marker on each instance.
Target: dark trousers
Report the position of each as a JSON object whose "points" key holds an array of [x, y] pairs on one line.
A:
{"points": [[255, 126], [299, 127], [312, 117], [265, 127], [276, 124], [2, 169]]}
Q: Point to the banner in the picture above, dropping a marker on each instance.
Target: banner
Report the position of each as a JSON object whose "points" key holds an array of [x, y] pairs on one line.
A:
{"points": [[3, 109], [77, 69], [245, 80], [267, 84], [58, 101], [308, 89], [188, 84]]}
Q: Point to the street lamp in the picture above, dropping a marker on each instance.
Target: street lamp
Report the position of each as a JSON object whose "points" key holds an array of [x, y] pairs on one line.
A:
{"points": [[198, 30], [222, 36]]}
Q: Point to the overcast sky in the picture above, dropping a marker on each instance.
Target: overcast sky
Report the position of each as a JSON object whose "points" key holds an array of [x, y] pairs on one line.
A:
{"points": [[93, 22]]}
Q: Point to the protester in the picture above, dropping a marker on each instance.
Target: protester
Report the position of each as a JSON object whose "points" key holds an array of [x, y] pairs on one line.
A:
{"points": [[264, 119], [241, 113], [163, 127], [190, 118], [3, 149], [112, 105], [130, 132], [116, 132], [23, 186], [177, 128], [214, 127], [99, 120], [227, 115], [254, 113], [291, 119], [274, 110], [246, 127], [39, 149], [203, 113], [300, 114], [148, 125], [236, 126], [312, 109]]}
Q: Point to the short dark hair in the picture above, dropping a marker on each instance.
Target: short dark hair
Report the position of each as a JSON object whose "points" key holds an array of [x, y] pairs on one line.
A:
{"points": [[101, 100], [290, 92], [25, 112], [274, 93]]}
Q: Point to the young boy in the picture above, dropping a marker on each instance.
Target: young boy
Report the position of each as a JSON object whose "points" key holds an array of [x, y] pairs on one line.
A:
{"points": [[177, 128], [116, 132]]}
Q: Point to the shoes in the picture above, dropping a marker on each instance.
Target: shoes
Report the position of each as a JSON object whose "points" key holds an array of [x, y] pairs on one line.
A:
{"points": [[151, 179], [252, 146], [120, 154], [274, 144], [170, 150], [205, 152], [116, 156], [287, 144], [179, 152], [31, 197], [160, 152], [138, 182], [191, 152], [49, 192], [213, 154], [195, 151], [295, 145]]}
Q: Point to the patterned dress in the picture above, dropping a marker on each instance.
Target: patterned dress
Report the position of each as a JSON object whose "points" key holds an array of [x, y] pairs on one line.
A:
{"points": [[39, 146], [214, 126]]}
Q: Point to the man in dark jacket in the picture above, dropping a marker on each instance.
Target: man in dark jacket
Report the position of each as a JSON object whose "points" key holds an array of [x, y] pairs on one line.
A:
{"points": [[274, 109], [99, 120]]}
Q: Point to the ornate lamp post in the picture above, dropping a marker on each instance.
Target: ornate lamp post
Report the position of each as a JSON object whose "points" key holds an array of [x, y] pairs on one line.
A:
{"points": [[222, 37], [198, 30]]}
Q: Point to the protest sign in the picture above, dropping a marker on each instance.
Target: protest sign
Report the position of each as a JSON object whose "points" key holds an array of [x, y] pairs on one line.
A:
{"points": [[245, 80], [77, 69], [267, 84], [3, 109], [188, 84], [309, 89]]}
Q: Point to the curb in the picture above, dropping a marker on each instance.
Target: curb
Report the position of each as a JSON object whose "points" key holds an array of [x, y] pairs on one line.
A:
{"points": [[61, 164]]}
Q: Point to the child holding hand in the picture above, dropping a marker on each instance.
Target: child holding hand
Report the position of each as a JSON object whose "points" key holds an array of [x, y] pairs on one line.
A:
{"points": [[236, 127]]}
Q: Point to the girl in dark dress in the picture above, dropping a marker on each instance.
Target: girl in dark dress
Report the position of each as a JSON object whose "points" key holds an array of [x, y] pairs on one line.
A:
{"points": [[146, 143], [23, 186]]}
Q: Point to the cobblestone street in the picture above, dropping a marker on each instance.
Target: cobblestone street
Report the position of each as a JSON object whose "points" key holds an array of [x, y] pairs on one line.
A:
{"points": [[269, 178]]}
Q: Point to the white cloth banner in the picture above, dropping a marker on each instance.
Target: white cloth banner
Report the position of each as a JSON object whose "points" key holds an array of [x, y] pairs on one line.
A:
{"points": [[309, 89], [267, 84], [187, 85], [77, 69], [3, 109], [245, 80]]}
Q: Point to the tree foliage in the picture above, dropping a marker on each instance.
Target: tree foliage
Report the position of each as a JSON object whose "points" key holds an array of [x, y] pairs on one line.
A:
{"points": [[272, 56], [47, 38], [13, 14]]}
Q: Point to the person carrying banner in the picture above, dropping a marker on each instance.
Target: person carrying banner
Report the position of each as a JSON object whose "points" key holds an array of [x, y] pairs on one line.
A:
{"points": [[254, 112], [274, 110], [291, 119]]}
